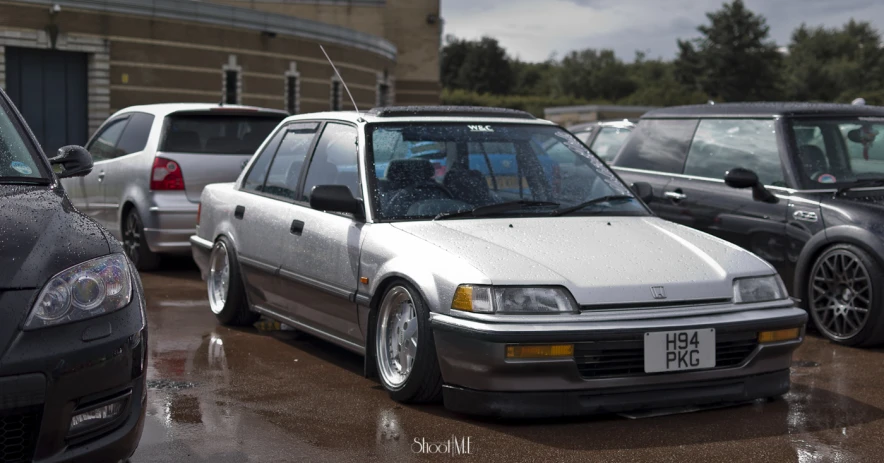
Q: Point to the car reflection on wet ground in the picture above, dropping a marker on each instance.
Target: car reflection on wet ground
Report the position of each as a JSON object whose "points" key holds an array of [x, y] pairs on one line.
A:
{"points": [[232, 395]]}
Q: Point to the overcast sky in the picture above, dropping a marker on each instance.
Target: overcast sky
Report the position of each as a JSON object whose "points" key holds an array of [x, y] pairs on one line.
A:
{"points": [[534, 29]]}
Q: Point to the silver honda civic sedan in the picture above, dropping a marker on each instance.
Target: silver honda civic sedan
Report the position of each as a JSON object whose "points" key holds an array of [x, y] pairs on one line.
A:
{"points": [[488, 258]]}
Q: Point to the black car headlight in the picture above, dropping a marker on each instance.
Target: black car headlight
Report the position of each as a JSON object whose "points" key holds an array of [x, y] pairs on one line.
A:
{"points": [[86, 290]]}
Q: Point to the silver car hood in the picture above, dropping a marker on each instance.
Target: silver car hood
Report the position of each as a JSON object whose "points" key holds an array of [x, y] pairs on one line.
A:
{"points": [[601, 260]]}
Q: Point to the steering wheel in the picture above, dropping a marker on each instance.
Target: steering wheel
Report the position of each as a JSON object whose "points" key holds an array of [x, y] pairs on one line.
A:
{"points": [[400, 201]]}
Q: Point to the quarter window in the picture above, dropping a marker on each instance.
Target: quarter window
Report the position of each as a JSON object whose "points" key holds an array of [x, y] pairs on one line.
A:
{"points": [[335, 160], [134, 138], [723, 144], [103, 147], [285, 170], [658, 145]]}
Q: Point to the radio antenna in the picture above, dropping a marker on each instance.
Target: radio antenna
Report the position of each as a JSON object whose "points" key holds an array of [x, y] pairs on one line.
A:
{"points": [[340, 78]]}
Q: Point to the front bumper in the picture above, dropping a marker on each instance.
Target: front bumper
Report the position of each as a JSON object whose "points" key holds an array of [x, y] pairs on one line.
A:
{"points": [[49, 375], [201, 250], [479, 379]]}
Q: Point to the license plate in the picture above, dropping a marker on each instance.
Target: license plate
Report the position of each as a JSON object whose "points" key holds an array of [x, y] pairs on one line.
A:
{"points": [[679, 350]]}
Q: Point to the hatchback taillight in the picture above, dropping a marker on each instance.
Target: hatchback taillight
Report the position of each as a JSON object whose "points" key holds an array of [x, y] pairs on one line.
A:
{"points": [[166, 175]]}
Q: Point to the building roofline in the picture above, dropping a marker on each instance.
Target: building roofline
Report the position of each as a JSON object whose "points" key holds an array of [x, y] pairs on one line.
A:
{"points": [[232, 16]]}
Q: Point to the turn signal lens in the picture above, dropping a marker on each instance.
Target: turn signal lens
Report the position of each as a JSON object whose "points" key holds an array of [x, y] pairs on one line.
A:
{"points": [[539, 351], [779, 335], [472, 299]]}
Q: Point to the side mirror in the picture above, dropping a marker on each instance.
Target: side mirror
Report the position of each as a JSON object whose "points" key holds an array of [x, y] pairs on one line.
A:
{"points": [[74, 160], [335, 198], [745, 178], [643, 190], [855, 136]]}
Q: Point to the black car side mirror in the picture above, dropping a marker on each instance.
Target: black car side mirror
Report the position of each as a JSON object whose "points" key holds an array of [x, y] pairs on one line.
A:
{"points": [[74, 160], [643, 190], [335, 198], [745, 178]]}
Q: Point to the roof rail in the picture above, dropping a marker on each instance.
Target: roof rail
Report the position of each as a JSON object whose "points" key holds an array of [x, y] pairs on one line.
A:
{"points": [[450, 111]]}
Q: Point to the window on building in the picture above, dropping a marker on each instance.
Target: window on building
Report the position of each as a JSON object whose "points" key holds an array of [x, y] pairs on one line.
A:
{"points": [[231, 86], [336, 95], [383, 94], [291, 94]]}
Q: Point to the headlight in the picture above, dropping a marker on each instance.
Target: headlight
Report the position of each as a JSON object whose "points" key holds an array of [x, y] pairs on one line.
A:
{"points": [[83, 291], [513, 300], [759, 289]]}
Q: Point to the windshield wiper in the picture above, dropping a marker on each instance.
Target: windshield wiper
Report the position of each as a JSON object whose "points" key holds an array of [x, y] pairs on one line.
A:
{"points": [[862, 184], [495, 208], [25, 180], [601, 199]]}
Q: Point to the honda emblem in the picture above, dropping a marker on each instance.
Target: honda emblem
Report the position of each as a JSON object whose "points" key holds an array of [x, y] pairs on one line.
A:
{"points": [[658, 292]]}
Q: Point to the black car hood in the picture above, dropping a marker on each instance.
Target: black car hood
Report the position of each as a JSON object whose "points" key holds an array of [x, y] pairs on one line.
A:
{"points": [[42, 234]]}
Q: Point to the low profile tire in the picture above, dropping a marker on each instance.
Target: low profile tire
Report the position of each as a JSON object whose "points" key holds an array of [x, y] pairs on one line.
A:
{"points": [[844, 303], [405, 352], [227, 297], [135, 243]]}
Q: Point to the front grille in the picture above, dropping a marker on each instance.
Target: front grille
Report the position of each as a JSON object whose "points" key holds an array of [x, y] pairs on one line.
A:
{"points": [[18, 434], [626, 356]]}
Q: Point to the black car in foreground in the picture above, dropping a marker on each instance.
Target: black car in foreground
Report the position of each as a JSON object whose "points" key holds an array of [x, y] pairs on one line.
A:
{"points": [[73, 330], [799, 184]]}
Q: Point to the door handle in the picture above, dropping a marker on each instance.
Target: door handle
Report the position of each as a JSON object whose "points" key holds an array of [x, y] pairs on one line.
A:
{"points": [[675, 195], [297, 227], [239, 212], [101, 176]]}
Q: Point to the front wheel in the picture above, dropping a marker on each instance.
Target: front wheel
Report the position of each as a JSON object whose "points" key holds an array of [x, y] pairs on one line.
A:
{"points": [[844, 303], [226, 291], [405, 351]]}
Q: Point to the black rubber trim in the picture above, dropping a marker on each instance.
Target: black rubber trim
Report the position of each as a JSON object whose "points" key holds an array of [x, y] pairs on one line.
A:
{"points": [[324, 287], [257, 264], [362, 299], [611, 400], [795, 321]]}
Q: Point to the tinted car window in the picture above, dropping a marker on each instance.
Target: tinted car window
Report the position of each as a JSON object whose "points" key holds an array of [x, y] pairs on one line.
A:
{"points": [[104, 146], [18, 158], [258, 172], [334, 162], [722, 144], [285, 171], [658, 144], [134, 137], [220, 133]]}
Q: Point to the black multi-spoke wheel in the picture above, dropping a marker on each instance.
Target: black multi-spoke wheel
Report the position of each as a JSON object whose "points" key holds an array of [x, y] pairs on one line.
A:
{"points": [[135, 243], [842, 298]]}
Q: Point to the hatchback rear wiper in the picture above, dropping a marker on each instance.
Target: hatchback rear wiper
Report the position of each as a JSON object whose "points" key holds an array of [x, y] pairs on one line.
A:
{"points": [[601, 199], [862, 184], [25, 180], [496, 208]]}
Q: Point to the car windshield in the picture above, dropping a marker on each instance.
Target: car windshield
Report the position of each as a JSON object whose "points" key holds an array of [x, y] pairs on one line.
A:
{"points": [[839, 152], [18, 157], [426, 171]]}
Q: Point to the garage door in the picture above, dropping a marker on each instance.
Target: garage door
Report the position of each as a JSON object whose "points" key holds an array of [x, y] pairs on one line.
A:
{"points": [[49, 88]]}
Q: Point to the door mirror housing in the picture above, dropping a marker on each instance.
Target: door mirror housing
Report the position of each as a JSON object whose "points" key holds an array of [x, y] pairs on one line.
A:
{"points": [[336, 198], [745, 178], [74, 161], [643, 190]]}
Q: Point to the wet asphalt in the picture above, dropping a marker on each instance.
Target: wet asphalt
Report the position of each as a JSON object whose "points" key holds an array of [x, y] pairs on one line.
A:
{"points": [[218, 394]]}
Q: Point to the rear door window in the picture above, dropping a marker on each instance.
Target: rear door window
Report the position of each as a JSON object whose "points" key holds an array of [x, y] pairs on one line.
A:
{"points": [[659, 145], [220, 133], [285, 170], [258, 172], [722, 144], [134, 137]]}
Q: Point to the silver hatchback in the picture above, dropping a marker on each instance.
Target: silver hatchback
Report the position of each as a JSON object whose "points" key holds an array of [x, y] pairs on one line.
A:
{"points": [[151, 164], [446, 246]]}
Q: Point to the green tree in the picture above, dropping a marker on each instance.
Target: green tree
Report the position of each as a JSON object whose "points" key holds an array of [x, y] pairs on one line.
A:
{"points": [[480, 66], [595, 74], [733, 59]]}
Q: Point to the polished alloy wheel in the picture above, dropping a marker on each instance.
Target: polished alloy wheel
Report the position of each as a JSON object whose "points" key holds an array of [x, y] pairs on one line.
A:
{"points": [[132, 237], [397, 336], [840, 295], [219, 277]]}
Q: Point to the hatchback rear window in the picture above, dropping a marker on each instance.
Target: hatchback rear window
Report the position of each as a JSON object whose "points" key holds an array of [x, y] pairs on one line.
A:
{"points": [[217, 133]]}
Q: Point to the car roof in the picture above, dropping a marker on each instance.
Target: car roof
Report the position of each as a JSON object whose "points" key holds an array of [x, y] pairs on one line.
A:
{"points": [[403, 114], [164, 109], [764, 109], [620, 124]]}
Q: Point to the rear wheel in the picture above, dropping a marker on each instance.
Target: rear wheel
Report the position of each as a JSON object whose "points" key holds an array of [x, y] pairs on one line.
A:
{"points": [[135, 243], [405, 351], [226, 292], [843, 302]]}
